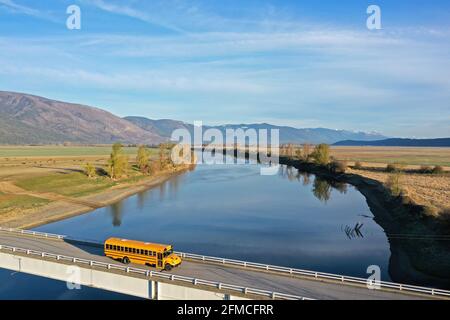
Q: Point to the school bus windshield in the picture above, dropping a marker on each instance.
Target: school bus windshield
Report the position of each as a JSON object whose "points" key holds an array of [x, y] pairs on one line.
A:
{"points": [[168, 253]]}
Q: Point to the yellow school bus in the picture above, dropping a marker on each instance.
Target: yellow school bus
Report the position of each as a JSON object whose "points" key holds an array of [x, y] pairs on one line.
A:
{"points": [[160, 256]]}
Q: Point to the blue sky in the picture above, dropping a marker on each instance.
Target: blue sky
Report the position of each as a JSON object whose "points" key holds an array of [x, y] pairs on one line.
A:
{"points": [[300, 63]]}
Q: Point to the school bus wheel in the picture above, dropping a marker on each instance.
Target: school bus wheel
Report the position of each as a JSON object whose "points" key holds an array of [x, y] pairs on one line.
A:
{"points": [[126, 260], [168, 267]]}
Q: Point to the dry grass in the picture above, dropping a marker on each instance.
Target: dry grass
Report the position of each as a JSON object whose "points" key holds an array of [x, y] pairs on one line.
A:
{"points": [[432, 191], [380, 156]]}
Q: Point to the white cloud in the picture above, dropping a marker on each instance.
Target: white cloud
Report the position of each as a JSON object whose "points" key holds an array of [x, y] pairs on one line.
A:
{"points": [[21, 9], [128, 11]]}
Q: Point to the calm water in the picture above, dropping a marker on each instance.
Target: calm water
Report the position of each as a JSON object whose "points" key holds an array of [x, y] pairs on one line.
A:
{"points": [[290, 219]]}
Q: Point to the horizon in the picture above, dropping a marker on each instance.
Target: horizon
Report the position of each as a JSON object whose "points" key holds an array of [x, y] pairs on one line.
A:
{"points": [[302, 65]]}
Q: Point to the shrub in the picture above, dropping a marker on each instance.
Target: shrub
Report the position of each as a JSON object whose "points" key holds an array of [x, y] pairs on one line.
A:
{"points": [[438, 170], [321, 154], [337, 166], [90, 170], [393, 184], [426, 169], [391, 168], [395, 167], [358, 165]]}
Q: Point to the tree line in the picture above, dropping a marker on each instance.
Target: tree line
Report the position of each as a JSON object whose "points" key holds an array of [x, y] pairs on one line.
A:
{"points": [[118, 162]]}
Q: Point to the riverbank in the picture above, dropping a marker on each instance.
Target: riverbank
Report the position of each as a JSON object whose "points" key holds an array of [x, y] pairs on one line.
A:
{"points": [[65, 207], [372, 186]]}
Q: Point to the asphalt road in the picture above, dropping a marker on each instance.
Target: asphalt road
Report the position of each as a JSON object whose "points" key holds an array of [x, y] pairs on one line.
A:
{"points": [[225, 274]]}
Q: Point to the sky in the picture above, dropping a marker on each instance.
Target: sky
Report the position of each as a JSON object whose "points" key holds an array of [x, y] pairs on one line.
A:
{"points": [[302, 63]]}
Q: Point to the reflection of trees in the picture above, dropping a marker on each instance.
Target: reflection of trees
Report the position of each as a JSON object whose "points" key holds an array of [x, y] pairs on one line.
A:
{"points": [[116, 213], [291, 173], [143, 198], [174, 185], [339, 186], [322, 189], [162, 191], [306, 178]]}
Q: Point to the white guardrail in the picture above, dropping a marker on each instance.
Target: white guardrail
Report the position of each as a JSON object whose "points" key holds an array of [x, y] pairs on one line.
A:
{"points": [[318, 275], [33, 233], [283, 270], [143, 272]]}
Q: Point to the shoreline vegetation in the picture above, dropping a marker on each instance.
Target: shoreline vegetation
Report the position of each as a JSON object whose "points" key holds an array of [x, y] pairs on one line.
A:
{"points": [[46, 184], [59, 188], [422, 191], [417, 229]]}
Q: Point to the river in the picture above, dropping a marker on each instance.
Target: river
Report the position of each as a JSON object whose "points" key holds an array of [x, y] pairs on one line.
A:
{"points": [[291, 219]]}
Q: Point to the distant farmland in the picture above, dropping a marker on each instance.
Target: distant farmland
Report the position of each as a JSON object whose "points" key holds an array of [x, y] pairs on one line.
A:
{"points": [[385, 155], [59, 151]]}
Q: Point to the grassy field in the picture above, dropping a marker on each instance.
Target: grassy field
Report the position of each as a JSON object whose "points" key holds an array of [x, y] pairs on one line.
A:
{"points": [[385, 155], [21, 202], [59, 151], [75, 184]]}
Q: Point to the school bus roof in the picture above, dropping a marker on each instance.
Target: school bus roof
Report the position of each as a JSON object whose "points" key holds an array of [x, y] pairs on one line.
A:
{"points": [[138, 244]]}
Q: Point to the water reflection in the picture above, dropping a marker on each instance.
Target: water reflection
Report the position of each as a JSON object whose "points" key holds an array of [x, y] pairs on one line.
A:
{"points": [[116, 213], [295, 219], [321, 187], [353, 232]]}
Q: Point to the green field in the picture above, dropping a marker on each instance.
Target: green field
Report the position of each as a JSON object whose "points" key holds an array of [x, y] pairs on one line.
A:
{"points": [[68, 184], [60, 151], [20, 202]]}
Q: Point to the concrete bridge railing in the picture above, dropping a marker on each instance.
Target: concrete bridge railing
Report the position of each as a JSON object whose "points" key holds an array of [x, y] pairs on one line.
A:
{"points": [[156, 274], [317, 275], [268, 268], [34, 233]]}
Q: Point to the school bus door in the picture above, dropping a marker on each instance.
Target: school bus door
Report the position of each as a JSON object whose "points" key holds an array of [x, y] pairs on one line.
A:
{"points": [[160, 260]]}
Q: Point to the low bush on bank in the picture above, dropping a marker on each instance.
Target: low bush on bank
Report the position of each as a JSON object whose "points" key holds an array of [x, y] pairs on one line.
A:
{"points": [[438, 170], [337, 166], [395, 167], [393, 183], [358, 165], [426, 169]]}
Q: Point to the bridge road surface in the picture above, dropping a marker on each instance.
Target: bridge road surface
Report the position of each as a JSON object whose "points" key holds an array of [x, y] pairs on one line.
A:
{"points": [[220, 273]]}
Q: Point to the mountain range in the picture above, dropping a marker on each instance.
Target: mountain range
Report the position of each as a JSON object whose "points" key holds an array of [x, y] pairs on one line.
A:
{"points": [[29, 119], [287, 134]]}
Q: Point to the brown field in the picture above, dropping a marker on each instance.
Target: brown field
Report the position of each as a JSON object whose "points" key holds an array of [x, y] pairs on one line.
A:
{"points": [[380, 156], [432, 191]]}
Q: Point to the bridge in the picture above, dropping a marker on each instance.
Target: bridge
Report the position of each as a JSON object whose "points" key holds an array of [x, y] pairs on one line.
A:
{"points": [[199, 277]]}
